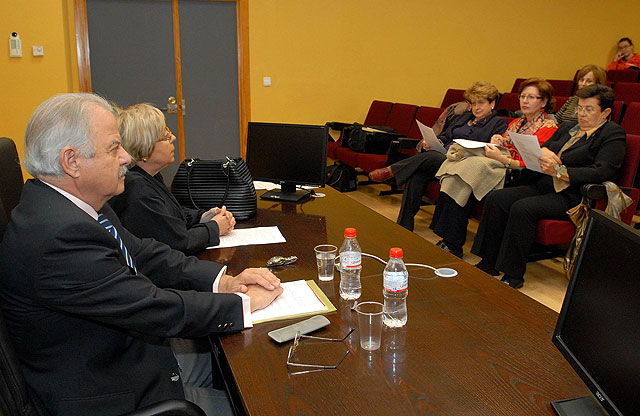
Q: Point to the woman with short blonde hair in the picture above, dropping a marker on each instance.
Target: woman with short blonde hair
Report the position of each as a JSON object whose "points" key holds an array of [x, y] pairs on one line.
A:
{"points": [[146, 207]]}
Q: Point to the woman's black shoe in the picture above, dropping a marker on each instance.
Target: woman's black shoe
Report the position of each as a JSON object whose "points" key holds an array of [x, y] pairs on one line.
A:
{"points": [[514, 282], [488, 268]]}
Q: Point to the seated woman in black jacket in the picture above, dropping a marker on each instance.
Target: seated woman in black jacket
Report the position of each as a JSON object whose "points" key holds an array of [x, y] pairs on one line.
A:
{"points": [[589, 151], [479, 124], [146, 207]]}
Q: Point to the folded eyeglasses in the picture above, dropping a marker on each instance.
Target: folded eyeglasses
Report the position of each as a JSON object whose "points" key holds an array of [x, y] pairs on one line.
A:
{"points": [[318, 367]]}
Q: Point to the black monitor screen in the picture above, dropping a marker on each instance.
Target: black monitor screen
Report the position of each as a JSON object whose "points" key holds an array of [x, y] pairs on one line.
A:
{"points": [[287, 154], [598, 330]]}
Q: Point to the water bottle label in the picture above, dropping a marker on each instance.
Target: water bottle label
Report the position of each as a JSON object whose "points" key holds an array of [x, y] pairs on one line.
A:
{"points": [[350, 259], [396, 281]]}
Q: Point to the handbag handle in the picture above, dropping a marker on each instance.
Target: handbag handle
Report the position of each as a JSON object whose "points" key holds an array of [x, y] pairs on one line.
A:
{"points": [[225, 171]]}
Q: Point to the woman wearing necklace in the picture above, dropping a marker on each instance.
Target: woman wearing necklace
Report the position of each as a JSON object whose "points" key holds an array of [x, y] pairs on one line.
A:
{"points": [[467, 177], [479, 124], [589, 151]]}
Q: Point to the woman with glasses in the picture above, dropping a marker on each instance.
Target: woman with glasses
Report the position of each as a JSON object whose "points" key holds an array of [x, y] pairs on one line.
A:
{"points": [[589, 151], [146, 207], [625, 58], [588, 75], [478, 124], [467, 176]]}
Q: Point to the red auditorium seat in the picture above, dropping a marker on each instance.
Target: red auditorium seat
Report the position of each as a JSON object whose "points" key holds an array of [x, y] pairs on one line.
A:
{"points": [[618, 108], [560, 102], [516, 84], [427, 116], [509, 101], [376, 116], [452, 96], [622, 75], [627, 91], [561, 87], [555, 232], [400, 118], [631, 119], [378, 113]]}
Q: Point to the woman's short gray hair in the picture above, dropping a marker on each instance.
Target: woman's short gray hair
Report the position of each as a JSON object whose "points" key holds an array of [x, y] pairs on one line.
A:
{"points": [[62, 120], [141, 126]]}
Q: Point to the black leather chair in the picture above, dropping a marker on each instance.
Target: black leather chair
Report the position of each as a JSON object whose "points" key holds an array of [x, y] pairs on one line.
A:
{"points": [[14, 396], [11, 178]]}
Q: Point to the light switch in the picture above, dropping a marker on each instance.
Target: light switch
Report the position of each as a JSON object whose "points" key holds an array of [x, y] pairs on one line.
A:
{"points": [[38, 51], [266, 81]]}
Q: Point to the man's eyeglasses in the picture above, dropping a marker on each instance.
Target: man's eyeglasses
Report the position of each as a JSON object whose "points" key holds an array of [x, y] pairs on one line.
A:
{"points": [[529, 97], [296, 344], [589, 110], [166, 135]]}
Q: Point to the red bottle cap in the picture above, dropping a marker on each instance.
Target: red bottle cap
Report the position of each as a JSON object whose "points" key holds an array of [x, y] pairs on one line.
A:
{"points": [[395, 253], [349, 232]]}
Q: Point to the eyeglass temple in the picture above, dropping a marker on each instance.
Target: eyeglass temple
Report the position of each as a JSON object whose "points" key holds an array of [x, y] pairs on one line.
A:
{"points": [[351, 329], [325, 367]]}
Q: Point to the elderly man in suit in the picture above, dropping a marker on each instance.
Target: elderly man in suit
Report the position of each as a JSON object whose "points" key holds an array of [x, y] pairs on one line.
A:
{"points": [[89, 306]]}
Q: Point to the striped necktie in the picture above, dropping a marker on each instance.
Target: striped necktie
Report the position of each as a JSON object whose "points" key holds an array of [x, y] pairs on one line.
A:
{"points": [[104, 221]]}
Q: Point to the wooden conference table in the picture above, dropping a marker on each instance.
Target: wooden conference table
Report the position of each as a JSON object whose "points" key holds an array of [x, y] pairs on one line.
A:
{"points": [[471, 346]]}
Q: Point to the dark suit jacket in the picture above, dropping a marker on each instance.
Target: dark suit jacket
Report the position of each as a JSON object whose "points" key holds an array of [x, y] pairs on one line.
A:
{"points": [[90, 334], [594, 160], [148, 209]]}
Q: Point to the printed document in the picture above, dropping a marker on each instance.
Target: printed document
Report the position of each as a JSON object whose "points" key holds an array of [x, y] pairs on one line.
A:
{"points": [[529, 149], [299, 298], [251, 236], [470, 144], [430, 138]]}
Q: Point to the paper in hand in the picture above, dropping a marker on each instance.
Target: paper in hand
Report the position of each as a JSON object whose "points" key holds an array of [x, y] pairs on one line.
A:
{"points": [[529, 149], [430, 138]]}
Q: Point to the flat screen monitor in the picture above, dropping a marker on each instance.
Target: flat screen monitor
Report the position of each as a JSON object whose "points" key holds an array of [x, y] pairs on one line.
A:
{"points": [[598, 330], [290, 155]]}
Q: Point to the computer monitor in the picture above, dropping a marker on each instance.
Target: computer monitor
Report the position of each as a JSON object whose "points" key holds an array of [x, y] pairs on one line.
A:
{"points": [[290, 155], [598, 330]]}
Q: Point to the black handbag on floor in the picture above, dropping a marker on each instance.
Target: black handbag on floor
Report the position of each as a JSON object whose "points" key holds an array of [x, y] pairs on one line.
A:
{"points": [[203, 184]]}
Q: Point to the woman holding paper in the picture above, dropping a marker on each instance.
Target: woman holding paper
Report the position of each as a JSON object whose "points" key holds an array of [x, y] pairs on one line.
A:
{"points": [[478, 124], [466, 178], [146, 207], [591, 151]]}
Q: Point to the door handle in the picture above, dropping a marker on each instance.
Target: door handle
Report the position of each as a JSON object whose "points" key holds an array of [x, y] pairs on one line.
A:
{"points": [[172, 106]]}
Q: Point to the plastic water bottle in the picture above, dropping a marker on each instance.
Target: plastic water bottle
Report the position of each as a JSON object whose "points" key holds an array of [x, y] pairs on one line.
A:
{"points": [[350, 266], [395, 290]]}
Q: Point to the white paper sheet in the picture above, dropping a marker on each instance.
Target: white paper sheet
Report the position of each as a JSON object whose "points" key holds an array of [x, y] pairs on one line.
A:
{"points": [[265, 185], [430, 138], [529, 149], [251, 236], [296, 298], [470, 144]]}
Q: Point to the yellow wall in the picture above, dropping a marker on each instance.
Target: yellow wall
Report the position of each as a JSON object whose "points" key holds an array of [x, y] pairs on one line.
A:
{"points": [[26, 82], [328, 59]]}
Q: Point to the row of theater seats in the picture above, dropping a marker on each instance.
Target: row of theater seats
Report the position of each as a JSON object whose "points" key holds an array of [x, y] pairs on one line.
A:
{"points": [[402, 117]]}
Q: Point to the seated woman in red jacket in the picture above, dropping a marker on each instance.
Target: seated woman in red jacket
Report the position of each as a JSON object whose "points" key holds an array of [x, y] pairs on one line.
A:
{"points": [[625, 58], [463, 181]]}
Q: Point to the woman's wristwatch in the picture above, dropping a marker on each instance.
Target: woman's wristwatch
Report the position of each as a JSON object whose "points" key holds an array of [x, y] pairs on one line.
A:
{"points": [[560, 170]]}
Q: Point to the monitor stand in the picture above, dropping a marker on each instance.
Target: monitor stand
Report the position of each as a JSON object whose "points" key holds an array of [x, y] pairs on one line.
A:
{"points": [[287, 193], [580, 406]]}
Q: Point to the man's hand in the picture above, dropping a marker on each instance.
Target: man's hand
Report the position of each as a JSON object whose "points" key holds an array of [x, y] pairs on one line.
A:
{"points": [[225, 221], [261, 297], [258, 276]]}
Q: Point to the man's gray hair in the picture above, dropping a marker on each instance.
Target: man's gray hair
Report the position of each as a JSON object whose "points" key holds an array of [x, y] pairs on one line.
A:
{"points": [[62, 120]]}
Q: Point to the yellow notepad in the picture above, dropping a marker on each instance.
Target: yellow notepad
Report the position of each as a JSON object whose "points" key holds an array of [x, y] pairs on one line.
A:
{"points": [[300, 298]]}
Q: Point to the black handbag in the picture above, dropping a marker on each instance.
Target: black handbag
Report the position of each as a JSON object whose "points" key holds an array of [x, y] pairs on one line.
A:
{"points": [[203, 184], [361, 139]]}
